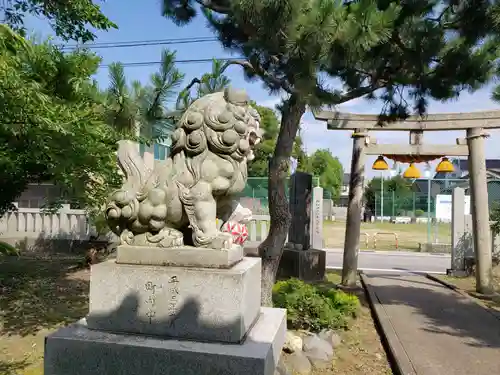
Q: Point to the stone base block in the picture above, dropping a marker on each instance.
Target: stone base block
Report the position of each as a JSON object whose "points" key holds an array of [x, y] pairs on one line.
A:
{"points": [[457, 273], [184, 256], [77, 350], [180, 302], [307, 265]]}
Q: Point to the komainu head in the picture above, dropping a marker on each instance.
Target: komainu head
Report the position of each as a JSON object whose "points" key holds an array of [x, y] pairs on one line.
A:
{"points": [[223, 123]]}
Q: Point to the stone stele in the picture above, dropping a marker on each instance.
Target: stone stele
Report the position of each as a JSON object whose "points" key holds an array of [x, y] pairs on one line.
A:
{"points": [[180, 298]]}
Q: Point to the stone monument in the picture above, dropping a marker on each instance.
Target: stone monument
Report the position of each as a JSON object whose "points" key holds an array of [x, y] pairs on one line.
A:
{"points": [[180, 298], [300, 208], [303, 256]]}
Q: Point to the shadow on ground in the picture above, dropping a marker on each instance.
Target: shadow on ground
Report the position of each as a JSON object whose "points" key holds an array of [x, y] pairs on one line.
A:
{"points": [[442, 310], [39, 294]]}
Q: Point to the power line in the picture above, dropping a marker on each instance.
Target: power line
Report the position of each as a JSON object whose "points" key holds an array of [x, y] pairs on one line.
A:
{"points": [[141, 43], [188, 61], [146, 41]]}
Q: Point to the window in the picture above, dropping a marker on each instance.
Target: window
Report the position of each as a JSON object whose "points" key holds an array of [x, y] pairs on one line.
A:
{"points": [[161, 150], [142, 149]]}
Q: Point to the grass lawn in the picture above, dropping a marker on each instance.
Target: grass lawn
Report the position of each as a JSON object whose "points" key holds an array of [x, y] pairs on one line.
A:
{"points": [[38, 296], [409, 235]]}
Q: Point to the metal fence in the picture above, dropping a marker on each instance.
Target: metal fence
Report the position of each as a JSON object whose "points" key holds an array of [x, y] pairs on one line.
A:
{"points": [[419, 198], [255, 194], [427, 202]]}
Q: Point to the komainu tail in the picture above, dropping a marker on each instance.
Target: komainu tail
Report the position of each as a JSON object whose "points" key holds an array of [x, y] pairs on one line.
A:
{"points": [[123, 206], [132, 165]]}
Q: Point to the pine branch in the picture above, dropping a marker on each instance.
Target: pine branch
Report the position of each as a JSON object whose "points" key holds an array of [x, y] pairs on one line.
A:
{"points": [[266, 76], [193, 82], [214, 6], [257, 69], [359, 92]]}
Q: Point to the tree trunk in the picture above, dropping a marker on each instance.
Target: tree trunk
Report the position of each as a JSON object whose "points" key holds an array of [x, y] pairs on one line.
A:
{"points": [[271, 248]]}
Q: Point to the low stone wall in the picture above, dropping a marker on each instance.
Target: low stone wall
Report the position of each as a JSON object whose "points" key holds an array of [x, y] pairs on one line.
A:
{"points": [[446, 248], [340, 213], [434, 248]]}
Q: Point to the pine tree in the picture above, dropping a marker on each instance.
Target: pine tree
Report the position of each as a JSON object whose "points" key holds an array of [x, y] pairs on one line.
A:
{"points": [[400, 52], [143, 110]]}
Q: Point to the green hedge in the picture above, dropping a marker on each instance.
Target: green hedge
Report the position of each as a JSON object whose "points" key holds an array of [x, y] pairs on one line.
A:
{"points": [[312, 308]]}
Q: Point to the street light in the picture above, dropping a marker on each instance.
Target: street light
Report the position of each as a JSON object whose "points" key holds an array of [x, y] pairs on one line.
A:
{"points": [[428, 174], [394, 170], [381, 165]]}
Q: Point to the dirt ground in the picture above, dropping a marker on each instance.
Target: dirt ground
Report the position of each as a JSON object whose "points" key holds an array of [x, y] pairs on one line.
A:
{"points": [[38, 296], [409, 235], [468, 284], [361, 351]]}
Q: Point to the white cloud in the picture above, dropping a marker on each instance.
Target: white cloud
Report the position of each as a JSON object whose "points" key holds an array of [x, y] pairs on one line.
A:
{"points": [[271, 101]]}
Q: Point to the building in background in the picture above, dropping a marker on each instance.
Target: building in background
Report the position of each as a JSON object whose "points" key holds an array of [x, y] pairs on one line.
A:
{"points": [[444, 183], [344, 191]]}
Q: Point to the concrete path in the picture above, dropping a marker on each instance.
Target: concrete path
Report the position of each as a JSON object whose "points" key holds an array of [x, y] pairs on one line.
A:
{"points": [[393, 261], [386, 261], [433, 330]]}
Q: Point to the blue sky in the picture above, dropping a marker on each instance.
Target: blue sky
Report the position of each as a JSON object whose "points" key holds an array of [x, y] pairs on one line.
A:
{"points": [[139, 21]]}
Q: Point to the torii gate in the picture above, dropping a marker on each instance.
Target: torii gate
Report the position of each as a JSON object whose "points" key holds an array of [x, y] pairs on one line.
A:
{"points": [[472, 146]]}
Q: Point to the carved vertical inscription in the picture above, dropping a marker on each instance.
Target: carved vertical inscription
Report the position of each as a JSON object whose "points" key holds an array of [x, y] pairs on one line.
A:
{"points": [[152, 290], [153, 293], [174, 293], [318, 216]]}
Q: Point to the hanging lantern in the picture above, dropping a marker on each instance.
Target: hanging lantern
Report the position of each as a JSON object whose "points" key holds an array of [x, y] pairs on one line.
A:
{"points": [[445, 166], [380, 164], [412, 172]]}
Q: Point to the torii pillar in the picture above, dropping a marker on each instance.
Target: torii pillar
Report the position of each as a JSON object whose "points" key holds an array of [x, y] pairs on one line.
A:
{"points": [[479, 210], [354, 208]]}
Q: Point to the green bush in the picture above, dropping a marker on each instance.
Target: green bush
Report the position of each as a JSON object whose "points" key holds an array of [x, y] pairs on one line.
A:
{"points": [[312, 308], [495, 217], [419, 213], [6, 249]]}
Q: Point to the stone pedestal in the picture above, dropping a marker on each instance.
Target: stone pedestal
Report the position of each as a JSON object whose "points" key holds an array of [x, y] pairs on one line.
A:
{"points": [[307, 265], [147, 318], [181, 302], [78, 350]]}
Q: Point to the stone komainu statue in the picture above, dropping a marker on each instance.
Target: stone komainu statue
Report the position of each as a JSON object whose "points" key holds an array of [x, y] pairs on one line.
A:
{"points": [[178, 202]]}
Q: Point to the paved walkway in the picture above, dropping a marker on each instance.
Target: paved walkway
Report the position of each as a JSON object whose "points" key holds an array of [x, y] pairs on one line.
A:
{"points": [[433, 330]]}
